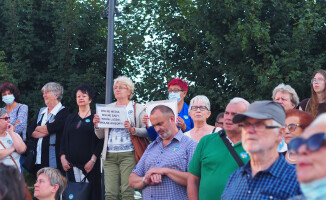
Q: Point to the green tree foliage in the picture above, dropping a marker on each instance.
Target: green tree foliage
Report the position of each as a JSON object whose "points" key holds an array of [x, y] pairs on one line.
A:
{"points": [[223, 48]]}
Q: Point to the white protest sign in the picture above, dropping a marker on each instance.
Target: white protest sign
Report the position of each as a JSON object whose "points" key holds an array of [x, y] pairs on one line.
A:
{"points": [[111, 116], [173, 104]]}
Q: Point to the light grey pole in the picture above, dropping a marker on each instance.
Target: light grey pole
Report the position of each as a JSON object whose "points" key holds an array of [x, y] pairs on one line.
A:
{"points": [[110, 49]]}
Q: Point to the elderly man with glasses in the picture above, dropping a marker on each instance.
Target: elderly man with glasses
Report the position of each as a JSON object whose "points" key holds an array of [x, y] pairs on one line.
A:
{"points": [[310, 152], [267, 175]]}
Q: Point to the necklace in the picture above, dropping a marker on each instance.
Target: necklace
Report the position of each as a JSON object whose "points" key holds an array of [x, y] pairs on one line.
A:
{"points": [[80, 121], [85, 114], [288, 157]]}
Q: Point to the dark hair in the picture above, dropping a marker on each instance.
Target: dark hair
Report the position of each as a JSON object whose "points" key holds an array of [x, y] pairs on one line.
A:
{"points": [[12, 184], [177, 81], [312, 106], [86, 89], [305, 118], [165, 110], [12, 88], [220, 115]]}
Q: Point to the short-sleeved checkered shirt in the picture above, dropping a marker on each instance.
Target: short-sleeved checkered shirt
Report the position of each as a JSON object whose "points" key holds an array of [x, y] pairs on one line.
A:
{"points": [[176, 155], [277, 182]]}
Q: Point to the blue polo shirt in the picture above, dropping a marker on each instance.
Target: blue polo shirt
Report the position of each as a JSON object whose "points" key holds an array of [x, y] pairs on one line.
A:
{"points": [[175, 155], [152, 134], [279, 181]]}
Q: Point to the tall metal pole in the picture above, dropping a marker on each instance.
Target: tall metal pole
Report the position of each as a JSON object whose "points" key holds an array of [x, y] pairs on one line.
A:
{"points": [[110, 49]]}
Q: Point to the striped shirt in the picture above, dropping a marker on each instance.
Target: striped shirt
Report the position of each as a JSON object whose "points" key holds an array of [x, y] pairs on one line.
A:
{"points": [[277, 182]]}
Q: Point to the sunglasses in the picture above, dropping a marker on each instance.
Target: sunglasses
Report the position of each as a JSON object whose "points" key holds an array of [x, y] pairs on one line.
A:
{"points": [[5, 118], [292, 127], [313, 143]]}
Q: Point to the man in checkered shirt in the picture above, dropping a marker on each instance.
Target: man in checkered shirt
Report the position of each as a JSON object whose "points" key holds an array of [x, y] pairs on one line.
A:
{"points": [[162, 171], [267, 175]]}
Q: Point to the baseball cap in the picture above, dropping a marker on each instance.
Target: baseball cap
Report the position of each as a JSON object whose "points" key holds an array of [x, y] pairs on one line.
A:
{"points": [[263, 110]]}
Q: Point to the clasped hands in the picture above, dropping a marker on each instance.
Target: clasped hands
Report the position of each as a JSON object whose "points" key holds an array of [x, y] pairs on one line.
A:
{"points": [[154, 176]]}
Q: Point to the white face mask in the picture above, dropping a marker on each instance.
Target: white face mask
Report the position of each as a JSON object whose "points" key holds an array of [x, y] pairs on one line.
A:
{"points": [[8, 99], [175, 96]]}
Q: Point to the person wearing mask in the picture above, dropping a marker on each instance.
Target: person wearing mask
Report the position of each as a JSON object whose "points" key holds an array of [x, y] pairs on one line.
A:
{"points": [[177, 89], [17, 112], [310, 152]]}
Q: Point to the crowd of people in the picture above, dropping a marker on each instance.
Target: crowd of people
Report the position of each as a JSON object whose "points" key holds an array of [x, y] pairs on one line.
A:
{"points": [[270, 149]]}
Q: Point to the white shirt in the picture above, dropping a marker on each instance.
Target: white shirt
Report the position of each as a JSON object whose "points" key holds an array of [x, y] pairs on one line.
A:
{"points": [[7, 142], [45, 119], [119, 138]]}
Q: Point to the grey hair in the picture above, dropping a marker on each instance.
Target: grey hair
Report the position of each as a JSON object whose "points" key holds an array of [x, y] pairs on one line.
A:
{"points": [[3, 111], [287, 88], [55, 177], [55, 88], [238, 100], [127, 81], [200, 98]]}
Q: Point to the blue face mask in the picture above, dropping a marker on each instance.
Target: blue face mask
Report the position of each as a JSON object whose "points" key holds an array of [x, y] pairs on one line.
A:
{"points": [[175, 96], [314, 190], [8, 99]]}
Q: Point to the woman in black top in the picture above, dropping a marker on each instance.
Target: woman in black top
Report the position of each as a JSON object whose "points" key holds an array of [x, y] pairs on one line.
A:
{"points": [[80, 148], [317, 103]]}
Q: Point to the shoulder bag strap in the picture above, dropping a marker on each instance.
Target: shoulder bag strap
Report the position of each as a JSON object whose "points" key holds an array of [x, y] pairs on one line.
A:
{"points": [[214, 130], [230, 148], [18, 110], [135, 113], [10, 156]]}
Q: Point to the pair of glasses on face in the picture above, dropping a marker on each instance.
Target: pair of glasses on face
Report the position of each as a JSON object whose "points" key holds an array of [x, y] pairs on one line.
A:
{"points": [[317, 80], [259, 126], [292, 127], [220, 123], [201, 108], [175, 90], [5, 118], [313, 143]]}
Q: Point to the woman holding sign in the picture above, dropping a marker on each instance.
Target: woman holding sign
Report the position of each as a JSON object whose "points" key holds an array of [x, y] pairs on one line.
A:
{"points": [[80, 148], [118, 151]]}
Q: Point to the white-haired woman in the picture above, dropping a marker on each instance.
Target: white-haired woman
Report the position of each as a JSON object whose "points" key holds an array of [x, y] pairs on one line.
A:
{"points": [[199, 111], [49, 185], [47, 128], [118, 150]]}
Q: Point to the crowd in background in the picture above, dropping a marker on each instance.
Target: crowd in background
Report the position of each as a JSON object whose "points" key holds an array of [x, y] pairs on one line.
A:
{"points": [[61, 144]]}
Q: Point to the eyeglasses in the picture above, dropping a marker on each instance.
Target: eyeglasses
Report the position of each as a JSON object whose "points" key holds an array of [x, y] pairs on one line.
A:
{"points": [[317, 80], [175, 90], [5, 118], [220, 123], [259, 126], [120, 88], [313, 143], [201, 108], [292, 127]]}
